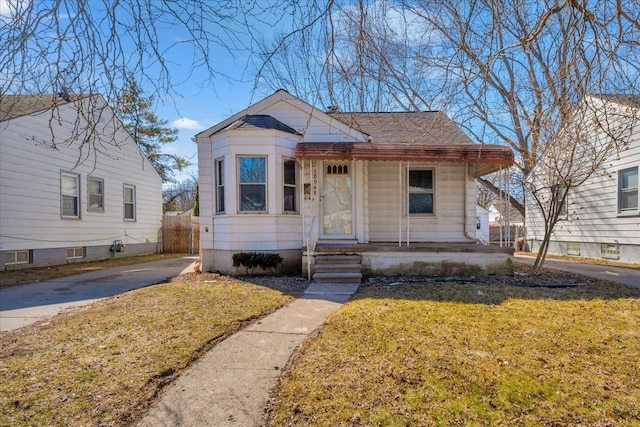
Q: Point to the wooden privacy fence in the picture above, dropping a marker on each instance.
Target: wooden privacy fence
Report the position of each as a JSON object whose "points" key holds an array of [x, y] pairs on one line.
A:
{"points": [[180, 234]]}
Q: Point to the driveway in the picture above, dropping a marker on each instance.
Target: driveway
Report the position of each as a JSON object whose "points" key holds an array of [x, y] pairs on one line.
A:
{"points": [[625, 276], [26, 304]]}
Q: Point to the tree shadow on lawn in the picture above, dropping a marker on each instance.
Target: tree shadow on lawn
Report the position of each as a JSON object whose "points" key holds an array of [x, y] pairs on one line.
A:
{"points": [[496, 289]]}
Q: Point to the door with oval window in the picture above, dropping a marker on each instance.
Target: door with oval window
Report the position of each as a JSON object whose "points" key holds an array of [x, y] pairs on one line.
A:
{"points": [[337, 218]]}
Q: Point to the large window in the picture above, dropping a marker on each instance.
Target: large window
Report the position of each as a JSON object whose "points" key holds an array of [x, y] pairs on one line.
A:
{"points": [[129, 198], [628, 190], [70, 195], [290, 186], [252, 181], [96, 194], [421, 191], [220, 186]]}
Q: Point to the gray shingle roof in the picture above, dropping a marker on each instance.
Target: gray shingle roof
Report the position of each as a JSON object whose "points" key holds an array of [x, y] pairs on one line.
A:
{"points": [[624, 99], [260, 121], [12, 106], [429, 127]]}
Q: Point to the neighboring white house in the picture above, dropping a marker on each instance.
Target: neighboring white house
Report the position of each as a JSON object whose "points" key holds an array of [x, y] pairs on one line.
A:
{"points": [[482, 224], [394, 190], [73, 184], [601, 218]]}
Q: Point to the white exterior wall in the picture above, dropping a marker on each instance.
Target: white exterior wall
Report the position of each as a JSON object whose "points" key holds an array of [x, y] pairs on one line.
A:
{"points": [[30, 199], [387, 205], [593, 217]]}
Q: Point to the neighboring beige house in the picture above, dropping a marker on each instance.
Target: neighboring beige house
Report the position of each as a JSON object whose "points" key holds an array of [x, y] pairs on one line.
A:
{"points": [[384, 193], [73, 184], [601, 218]]}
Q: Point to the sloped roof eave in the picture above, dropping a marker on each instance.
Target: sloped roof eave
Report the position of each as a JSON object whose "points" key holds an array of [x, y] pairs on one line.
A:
{"points": [[472, 153]]}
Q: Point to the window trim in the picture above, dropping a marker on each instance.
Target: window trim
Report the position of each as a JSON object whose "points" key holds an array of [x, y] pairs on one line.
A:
{"points": [[89, 194], [432, 192], [628, 211], [124, 202], [75, 176], [220, 184], [263, 184], [75, 250], [29, 260], [296, 208]]}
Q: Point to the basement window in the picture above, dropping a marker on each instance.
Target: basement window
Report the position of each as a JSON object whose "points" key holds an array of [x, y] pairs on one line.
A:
{"points": [[18, 257]]}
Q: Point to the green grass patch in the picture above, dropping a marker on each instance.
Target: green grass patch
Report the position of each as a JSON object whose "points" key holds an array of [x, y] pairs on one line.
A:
{"points": [[103, 364], [470, 354]]}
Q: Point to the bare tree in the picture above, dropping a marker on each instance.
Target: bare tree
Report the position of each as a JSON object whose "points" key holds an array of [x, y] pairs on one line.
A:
{"points": [[600, 129], [507, 71], [80, 47], [180, 196]]}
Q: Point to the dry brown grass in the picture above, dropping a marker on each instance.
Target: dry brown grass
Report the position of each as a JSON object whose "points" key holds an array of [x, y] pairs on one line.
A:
{"points": [[103, 364], [472, 354], [30, 275]]}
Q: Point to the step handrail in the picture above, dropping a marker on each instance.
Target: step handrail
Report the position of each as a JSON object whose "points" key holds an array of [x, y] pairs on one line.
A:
{"points": [[311, 247]]}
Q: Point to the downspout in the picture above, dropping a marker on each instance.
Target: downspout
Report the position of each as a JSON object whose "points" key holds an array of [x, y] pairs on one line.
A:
{"points": [[464, 208], [400, 204]]}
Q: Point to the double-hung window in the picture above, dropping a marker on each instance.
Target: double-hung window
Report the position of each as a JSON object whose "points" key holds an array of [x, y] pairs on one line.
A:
{"points": [[290, 186], [70, 195], [628, 190], [219, 166], [421, 186], [96, 194], [129, 201], [252, 182]]}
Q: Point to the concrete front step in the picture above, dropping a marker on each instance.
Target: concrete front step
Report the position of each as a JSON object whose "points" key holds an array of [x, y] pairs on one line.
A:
{"points": [[326, 268], [338, 259], [337, 277]]}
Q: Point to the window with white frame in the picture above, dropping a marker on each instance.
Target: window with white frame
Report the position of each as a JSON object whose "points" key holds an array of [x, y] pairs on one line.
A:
{"points": [[421, 194], [96, 194], [252, 183], [219, 166], [290, 186], [70, 195], [129, 199], [75, 252], [18, 257], [628, 190]]}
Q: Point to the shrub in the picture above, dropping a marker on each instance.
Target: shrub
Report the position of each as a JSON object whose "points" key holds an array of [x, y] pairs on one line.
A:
{"points": [[251, 260]]}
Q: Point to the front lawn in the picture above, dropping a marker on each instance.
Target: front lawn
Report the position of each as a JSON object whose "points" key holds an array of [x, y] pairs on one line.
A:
{"points": [[103, 364], [471, 354]]}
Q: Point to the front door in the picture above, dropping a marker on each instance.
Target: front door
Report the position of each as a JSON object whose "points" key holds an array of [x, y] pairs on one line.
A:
{"points": [[337, 218]]}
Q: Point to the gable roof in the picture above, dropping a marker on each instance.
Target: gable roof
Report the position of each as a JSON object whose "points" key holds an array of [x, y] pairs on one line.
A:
{"points": [[420, 127], [260, 121], [623, 99], [12, 106]]}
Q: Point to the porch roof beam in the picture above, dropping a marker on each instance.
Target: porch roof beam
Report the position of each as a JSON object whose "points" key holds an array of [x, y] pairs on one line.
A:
{"points": [[487, 157]]}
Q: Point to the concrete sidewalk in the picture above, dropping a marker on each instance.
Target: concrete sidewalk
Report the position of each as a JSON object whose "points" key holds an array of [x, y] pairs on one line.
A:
{"points": [[625, 276], [25, 304], [231, 384]]}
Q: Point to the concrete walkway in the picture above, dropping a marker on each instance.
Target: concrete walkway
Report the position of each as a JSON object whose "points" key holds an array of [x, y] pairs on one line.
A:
{"points": [[231, 384], [25, 304], [625, 276]]}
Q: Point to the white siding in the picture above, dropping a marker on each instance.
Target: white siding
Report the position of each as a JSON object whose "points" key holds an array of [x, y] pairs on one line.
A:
{"points": [[387, 210], [30, 216], [593, 207]]}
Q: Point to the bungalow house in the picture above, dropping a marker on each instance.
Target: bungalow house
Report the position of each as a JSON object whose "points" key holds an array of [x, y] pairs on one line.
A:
{"points": [[380, 193], [73, 184], [601, 217]]}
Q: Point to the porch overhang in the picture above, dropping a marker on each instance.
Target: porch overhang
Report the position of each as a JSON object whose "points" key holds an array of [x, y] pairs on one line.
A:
{"points": [[487, 158]]}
